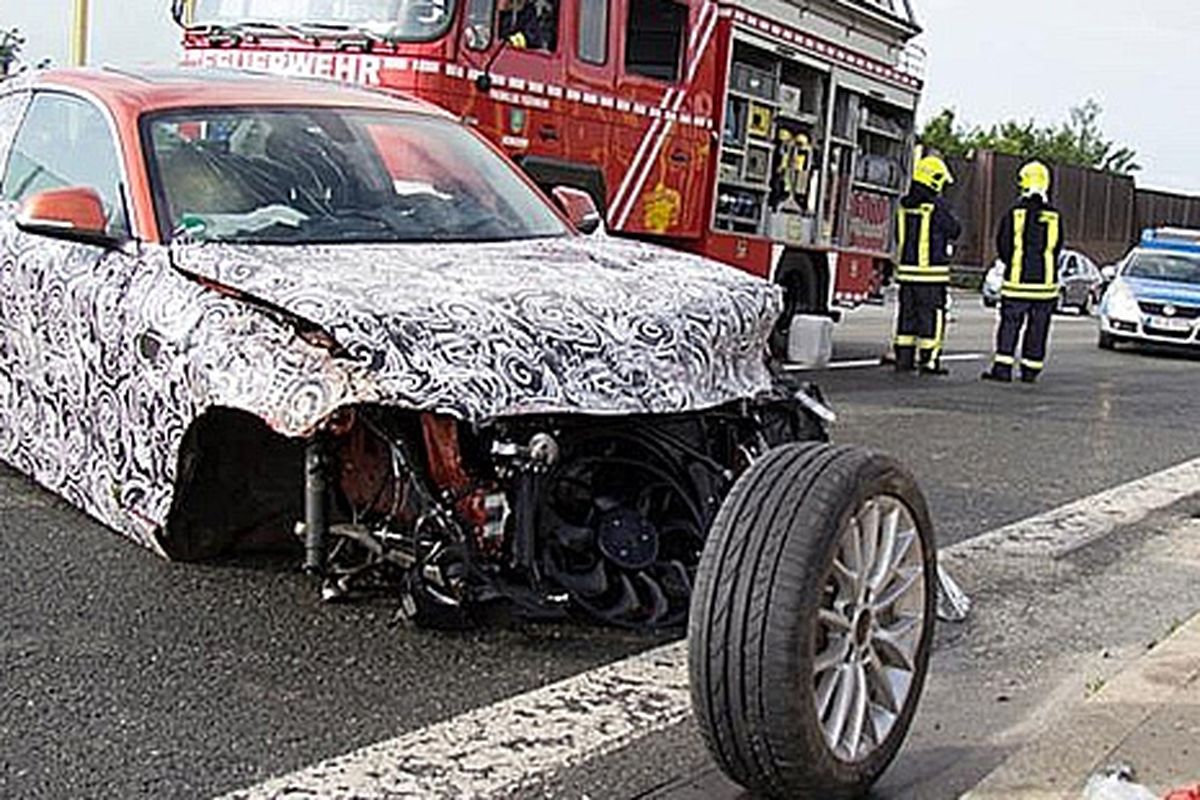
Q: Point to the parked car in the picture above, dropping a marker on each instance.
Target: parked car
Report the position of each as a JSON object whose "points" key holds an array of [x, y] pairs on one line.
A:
{"points": [[1155, 297], [229, 303], [1082, 283]]}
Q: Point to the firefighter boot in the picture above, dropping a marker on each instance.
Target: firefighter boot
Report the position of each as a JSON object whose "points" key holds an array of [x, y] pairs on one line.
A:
{"points": [[906, 359], [933, 366], [1002, 369]]}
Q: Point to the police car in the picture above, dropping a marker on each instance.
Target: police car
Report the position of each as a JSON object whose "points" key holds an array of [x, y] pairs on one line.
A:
{"points": [[1155, 294]]}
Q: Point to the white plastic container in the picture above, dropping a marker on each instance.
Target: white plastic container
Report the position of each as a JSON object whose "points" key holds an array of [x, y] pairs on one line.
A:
{"points": [[810, 340]]}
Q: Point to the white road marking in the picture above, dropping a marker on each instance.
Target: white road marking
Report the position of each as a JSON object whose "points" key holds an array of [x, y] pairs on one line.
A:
{"points": [[1078, 524], [859, 364], [875, 362], [518, 742], [500, 748]]}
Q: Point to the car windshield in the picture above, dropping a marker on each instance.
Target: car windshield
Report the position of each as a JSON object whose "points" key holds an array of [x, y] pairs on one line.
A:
{"points": [[325, 175], [405, 20], [1173, 267]]}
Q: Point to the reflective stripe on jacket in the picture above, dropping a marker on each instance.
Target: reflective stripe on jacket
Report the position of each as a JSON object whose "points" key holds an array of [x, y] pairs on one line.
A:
{"points": [[1030, 240]]}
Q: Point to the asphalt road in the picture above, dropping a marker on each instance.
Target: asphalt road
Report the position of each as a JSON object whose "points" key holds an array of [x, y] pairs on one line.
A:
{"points": [[127, 676]]}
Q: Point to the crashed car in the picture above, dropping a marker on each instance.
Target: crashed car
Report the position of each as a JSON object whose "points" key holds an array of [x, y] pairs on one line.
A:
{"points": [[239, 311]]}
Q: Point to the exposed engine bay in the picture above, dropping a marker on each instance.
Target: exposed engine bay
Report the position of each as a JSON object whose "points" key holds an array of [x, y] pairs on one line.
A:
{"points": [[549, 516]]}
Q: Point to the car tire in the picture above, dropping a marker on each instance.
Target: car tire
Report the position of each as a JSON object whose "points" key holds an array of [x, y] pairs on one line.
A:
{"points": [[1087, 307], [770, 590], [1107, 341], [989, 302]]}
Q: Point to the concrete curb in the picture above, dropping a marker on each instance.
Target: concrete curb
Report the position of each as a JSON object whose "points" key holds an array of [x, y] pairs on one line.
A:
{"points": [[1139, 716]]}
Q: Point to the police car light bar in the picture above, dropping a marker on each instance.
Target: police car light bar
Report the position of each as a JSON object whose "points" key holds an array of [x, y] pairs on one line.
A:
{"points": [[1172, 239]]}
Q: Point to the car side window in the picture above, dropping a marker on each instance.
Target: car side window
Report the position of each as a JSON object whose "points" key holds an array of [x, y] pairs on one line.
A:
{"points": [[12, 109], [65, 141]]}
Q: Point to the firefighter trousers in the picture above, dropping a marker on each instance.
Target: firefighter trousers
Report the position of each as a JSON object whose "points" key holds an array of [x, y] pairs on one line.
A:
{"points": [[1027, 321], [920, 325]]}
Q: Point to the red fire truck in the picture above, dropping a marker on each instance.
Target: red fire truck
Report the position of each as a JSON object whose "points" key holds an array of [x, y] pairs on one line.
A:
{"points": [[773, 135]]}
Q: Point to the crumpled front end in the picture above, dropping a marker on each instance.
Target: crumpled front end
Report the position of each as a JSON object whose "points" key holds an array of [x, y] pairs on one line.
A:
{"points": [[545, 516], [549, 427]]}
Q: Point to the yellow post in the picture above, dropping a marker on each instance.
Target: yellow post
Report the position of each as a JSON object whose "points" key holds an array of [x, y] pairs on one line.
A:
{"points": [[79, 32]]}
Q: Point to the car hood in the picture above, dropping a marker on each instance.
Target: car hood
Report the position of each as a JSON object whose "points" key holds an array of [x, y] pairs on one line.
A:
{"points": [[573, 324], [1164, 291]]}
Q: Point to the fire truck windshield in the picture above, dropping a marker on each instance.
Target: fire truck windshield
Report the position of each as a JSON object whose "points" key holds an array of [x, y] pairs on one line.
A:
{"points": [[396, 20], [326, 175]]}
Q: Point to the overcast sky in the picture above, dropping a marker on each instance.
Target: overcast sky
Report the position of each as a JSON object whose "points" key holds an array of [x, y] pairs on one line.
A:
{"points": [[988, 59]]}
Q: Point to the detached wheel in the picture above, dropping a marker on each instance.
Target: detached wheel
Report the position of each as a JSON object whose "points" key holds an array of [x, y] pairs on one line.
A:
{"points": [[812, 621]]}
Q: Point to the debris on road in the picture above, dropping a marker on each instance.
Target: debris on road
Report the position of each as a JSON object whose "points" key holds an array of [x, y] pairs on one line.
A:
{"points": [[1116, 783], [953, 604]]}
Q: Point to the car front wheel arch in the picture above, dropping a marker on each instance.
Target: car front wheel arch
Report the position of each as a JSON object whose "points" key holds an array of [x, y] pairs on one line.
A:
{"points": [[237, 486]]}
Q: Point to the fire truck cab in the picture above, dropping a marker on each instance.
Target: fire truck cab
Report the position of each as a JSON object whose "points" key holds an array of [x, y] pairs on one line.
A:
{"points": [[773, 135]]}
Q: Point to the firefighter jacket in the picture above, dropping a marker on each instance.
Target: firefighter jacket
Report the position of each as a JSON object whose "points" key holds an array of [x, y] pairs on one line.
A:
{"points": [[1029, 241], [924, 230]]}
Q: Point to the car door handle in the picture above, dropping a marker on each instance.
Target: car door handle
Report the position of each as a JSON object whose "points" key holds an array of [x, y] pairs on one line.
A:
{"points": [[549, 133]]}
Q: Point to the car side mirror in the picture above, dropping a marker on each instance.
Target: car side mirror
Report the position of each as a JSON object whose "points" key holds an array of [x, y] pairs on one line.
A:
{"points": [[1108, 273], [579, 208], [75, 214]]}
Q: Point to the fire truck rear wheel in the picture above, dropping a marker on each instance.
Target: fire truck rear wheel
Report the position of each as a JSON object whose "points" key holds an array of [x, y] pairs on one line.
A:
{"points": [[812, 621]]}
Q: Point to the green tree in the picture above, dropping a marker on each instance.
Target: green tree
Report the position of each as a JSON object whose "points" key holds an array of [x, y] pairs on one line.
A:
{"points": [[11, 43], [1079, 141]]}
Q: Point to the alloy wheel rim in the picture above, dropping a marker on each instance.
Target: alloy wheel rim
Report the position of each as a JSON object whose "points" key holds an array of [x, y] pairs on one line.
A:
{"points": [[870, 627]]}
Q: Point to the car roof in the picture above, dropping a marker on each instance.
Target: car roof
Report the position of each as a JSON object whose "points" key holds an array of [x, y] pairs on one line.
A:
{"points": [[145, 89], [128, 94]]}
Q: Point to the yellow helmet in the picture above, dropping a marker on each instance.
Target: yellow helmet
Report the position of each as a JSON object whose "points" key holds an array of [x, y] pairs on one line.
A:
{"points": [[932, 171], [1034, 178]]}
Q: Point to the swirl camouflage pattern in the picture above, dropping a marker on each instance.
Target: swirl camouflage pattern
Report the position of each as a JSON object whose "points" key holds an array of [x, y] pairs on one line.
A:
{"points": [[107, 358]]}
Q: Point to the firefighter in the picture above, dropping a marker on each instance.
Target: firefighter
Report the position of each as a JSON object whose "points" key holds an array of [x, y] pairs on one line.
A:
{"points": [[1029, 241], [528, 24], [926, 227]]}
